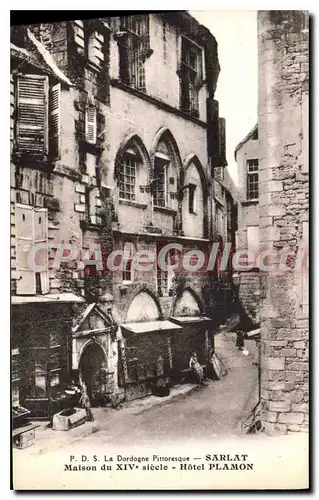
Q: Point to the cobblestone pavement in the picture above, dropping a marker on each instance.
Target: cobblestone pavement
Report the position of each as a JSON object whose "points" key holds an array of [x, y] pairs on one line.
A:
{"points": [[194, 413]]}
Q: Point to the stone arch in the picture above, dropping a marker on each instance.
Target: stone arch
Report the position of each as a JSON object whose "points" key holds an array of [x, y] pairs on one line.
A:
{"points": [[132, 141], [93, 361], [192, 162], [165, 135], [192, 158], [87, 344], [144, 306], [193, 304]]}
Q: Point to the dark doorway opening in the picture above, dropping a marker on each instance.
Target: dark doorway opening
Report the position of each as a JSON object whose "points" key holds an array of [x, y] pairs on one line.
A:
{"points": [[91, 364]]}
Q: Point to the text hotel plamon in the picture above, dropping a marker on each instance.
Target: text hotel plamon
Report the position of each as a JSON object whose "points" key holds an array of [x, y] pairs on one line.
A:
{"points": [[134, 254]]}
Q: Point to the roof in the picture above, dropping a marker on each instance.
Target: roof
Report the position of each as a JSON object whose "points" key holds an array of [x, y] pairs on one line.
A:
{"points": [[151, 326], [24, 55], [190, 319], [48, 59], [51, 297], [248, 136], [38, 56], [86, 313]]}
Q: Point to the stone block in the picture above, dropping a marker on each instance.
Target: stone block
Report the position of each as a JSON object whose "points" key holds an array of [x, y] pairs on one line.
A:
{"points": [[278, 343], [272, 211], [291, 418], [67, 419], [288, 352], [298, 366], [300, 407], [279, 406], [79, 208], [269, 416], [274, 186], [79, 188], [277, 386], [299, 345], [276, 363], [275, 428], [293, 428]]}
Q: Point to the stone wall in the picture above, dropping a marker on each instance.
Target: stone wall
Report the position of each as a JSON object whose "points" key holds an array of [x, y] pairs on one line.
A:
{"points": [[283, 126], [249, 294]]}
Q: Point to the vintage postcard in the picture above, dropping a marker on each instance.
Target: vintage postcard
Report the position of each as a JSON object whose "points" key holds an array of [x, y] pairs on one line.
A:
{"points": [[159, 250]]}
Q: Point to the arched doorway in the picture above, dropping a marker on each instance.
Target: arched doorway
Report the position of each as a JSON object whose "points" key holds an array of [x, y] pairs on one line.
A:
{"points": [[92, 365], [195, 335]]}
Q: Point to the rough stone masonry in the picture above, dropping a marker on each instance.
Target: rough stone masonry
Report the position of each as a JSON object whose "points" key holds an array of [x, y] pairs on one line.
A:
{"points": [[283, 38]]}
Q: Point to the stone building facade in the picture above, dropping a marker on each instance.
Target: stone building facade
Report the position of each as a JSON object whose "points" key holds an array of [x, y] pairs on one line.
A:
{"points": [[247, 158], [107, 157], [283, 38]]}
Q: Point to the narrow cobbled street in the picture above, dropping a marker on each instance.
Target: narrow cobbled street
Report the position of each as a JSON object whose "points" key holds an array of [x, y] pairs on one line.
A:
{"points": [[199, 413]]}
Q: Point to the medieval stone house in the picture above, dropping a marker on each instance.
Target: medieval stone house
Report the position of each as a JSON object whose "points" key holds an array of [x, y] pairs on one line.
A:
{"points": [[247, 158], [115, 138]]}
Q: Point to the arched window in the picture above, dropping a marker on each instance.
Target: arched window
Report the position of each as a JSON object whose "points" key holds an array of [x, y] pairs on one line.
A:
{"points": [[132, 171], [166, 171], [128, 174], [162, 177], [194, 204]]}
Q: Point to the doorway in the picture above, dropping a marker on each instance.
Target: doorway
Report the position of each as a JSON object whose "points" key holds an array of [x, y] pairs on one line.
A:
{"points": [[91, 363]]}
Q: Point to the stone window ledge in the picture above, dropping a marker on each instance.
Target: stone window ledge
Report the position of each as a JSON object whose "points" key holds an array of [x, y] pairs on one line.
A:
{"points": [[131, 203], [165, 210], [250, 202]]}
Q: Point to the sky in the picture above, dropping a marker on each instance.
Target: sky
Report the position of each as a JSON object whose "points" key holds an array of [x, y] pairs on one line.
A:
{"points": [[237, 86]]}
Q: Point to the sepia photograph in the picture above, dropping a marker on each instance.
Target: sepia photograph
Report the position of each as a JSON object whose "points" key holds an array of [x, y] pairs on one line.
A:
{"points": [[159, 211]]}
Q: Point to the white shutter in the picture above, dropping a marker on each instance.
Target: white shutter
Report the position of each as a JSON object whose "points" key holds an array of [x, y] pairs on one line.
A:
{"points": [[24, 241], [41, 236], [79, 36], [95, 48], [90, 124], [32, 114], [55, 122]]}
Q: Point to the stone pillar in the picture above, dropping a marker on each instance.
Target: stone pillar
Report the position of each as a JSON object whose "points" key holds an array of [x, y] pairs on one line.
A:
{"points": [[283, 126]]}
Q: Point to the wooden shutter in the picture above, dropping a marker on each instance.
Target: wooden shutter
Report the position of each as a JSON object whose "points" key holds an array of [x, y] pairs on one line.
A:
{"points": [[41, 236], [96, 54], [32, 114], [213, 131], [222, 140], [12, 103], [79, 36], [24, 240], [55, 122], [90, 124]]}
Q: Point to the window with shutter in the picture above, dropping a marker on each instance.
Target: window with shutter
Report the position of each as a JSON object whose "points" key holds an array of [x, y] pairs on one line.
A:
{"points": [[90, 124], [31, 229], [55, 125], [79, 36], [95, 48], [191, 75], [135, 50], [32, 114], [40, 216]]}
